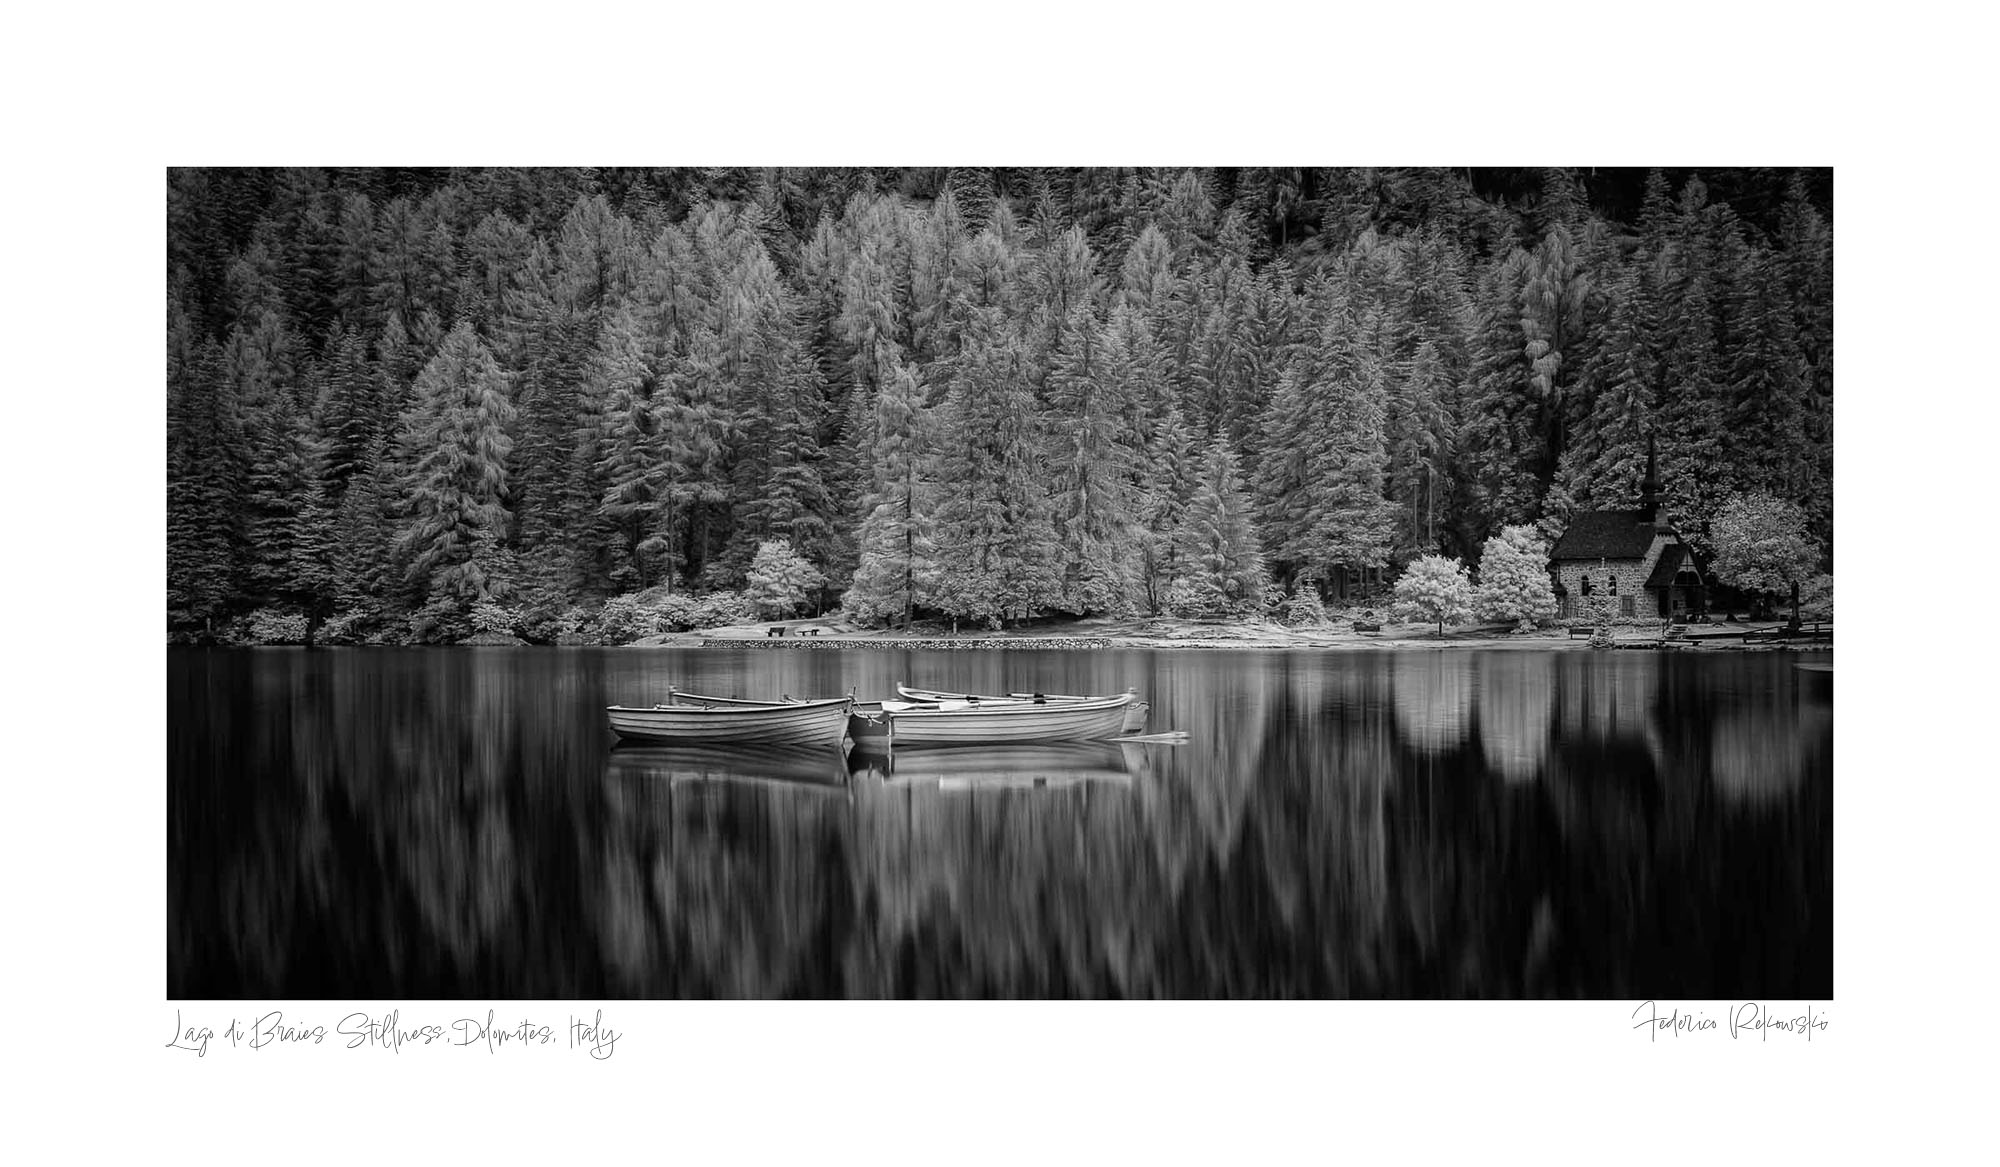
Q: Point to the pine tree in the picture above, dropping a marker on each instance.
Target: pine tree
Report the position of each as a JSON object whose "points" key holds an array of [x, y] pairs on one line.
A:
{"points": [[938, 293], [994, 535], [1221, 557], [633, 467], [1806, 260], [1505, 435], [971, 189], [355, 264], [778, 489], [894, 549], [1606, 455], [495, 271], [1092, 462], [1693, 408], [1321, 474], [365, 528], [203, 491], [1418, 438], [354, 406], [1556, 328], [1147, 282], [313, 572], [1770, 435], [284, 457], [455, 442]]}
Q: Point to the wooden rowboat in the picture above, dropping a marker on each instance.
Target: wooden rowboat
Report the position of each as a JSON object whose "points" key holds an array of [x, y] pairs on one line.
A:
{"points": [[964, 722], [690, 717], [1135, 713]]}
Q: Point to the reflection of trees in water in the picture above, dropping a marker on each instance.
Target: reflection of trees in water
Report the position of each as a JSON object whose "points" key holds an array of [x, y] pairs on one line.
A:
{"points": [[1609, 696], [399, 826], [370, 837], [440, 828], [1433, 693], [1516, 700], [1758, 754], [729, 889], [1312, 886], [1229, 727], [1000, 891]]}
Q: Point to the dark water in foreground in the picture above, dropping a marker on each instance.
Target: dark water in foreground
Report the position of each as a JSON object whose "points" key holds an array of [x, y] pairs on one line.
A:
{"points": [[388, 823]]}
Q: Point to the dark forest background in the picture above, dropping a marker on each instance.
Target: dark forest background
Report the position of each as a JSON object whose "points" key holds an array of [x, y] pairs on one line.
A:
{"points": [[403, 404]]}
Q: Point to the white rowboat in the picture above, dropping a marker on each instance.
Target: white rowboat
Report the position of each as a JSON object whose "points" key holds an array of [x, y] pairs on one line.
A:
{"points": [[970, 722], [689, 717], [1135, 713]]}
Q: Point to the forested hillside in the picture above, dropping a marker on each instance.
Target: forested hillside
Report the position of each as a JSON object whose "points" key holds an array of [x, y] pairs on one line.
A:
{"points": [[397, 398]]}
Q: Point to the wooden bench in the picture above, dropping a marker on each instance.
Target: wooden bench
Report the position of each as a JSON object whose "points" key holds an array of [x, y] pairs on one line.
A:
{"points": [[1365, 626], [1583, 630], [810, 630], [774, 630]]}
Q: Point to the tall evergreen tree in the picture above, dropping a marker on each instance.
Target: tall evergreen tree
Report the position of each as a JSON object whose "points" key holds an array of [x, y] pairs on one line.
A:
{"points": [[1092, 461], [204, 488], [455, 442], [895, 552], [994, 534], [1218, 542]]}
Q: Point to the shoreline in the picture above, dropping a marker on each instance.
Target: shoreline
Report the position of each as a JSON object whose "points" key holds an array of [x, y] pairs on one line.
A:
{"points": [[1092, 636], [1099, 635]]}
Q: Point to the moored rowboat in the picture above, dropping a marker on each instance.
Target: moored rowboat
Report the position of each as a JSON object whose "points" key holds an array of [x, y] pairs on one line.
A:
{"points": [[1135, 713], [968, 722], [689, 717]]}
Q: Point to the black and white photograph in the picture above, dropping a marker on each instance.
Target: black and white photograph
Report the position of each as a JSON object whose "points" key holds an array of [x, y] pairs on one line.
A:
{"points": [[1063, 583], [1191, 582]]}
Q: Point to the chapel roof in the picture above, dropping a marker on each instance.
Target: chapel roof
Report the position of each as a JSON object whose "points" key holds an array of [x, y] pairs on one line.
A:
{"points": [[1606, 535]]}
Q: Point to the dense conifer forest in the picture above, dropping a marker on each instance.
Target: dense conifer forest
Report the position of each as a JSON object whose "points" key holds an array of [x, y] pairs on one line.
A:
{"points": [[408, 404]]}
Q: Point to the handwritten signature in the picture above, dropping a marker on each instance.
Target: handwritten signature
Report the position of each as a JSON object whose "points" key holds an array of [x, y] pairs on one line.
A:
{"points": [[1745, 1020]]}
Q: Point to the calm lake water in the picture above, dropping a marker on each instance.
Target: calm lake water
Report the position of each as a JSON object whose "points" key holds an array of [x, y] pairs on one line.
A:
{"points": [[456, 823]]}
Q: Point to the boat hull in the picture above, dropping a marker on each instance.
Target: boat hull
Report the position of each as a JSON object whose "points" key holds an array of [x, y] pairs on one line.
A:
{"points": [[972, 723], [802, 723]]}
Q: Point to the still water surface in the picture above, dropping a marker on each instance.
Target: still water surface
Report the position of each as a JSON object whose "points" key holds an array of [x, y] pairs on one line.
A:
{"points": [[456, 823]]}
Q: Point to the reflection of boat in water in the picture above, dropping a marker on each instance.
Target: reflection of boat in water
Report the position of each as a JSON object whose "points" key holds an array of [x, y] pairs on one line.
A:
{"points": [[983, 767], [1135, 713], [689, 717], [977, 722], [820, 765]]}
